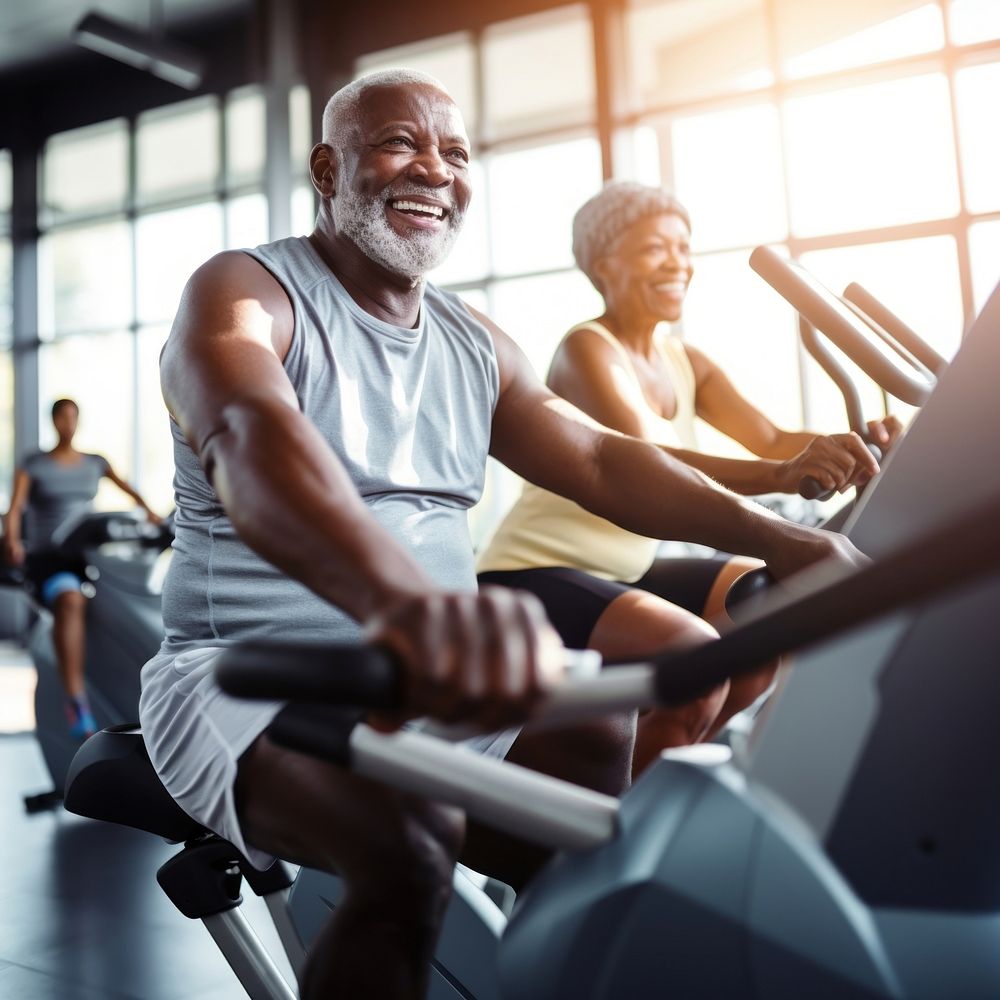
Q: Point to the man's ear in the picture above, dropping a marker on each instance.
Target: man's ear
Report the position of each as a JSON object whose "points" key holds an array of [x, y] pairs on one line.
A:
{"points": [[323, 170]]}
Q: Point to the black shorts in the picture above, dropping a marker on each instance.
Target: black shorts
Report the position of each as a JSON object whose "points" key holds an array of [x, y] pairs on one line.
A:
{"points": [[42, 565], [574, 600]]}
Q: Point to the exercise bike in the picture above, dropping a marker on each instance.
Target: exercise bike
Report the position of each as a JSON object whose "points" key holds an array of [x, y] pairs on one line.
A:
{"points": [[807, 866], [120, 556]]}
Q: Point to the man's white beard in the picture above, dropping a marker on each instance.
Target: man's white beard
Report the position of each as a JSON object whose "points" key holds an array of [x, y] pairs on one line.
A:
{"points": [[363, 220]]}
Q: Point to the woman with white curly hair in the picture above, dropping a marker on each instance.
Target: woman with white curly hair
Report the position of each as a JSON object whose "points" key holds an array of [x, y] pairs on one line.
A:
{"points": [[627, 371]]}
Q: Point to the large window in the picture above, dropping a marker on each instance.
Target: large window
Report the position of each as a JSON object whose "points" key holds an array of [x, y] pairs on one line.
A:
{"points": [[128, 209], [856, 136], [6, 336]]}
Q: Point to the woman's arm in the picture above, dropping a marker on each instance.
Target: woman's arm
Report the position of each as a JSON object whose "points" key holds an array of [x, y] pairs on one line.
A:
{"points": [[592, 375], [12, 544], [124, 486], [719, 403], [640, 487], [837, 461]]}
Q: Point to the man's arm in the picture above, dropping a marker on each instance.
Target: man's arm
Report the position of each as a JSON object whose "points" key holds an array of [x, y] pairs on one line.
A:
{"points": [[285, 491], [722, 405], [633, 483], [480, 657]]}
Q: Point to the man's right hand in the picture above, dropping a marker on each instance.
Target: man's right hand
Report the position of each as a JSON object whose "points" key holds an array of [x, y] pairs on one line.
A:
{"points": [[484, 658], [799, 547]]}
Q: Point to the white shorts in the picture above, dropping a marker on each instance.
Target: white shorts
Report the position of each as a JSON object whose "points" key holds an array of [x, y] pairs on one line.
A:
{"points": [[195, 735]]}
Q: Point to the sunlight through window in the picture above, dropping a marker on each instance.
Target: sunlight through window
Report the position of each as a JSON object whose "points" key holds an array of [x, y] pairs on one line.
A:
{"points": [[977, 92], [871, 156], [727, 173], [984, 249], [974, 21], [860, 36], [534, 194], [743, 325]]}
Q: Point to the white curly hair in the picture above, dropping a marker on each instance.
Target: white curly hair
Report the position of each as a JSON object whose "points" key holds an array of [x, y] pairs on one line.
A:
{"points": [[340, 115], [618, 205]]}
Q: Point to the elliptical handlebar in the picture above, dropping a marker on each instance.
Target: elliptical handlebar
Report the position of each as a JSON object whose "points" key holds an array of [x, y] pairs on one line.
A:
{"points": [[810, 488], [890, 363], [875, 310]]}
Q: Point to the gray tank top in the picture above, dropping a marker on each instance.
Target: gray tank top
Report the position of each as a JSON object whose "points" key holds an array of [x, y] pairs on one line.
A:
{"points": [[58, 490], [407, 412]]}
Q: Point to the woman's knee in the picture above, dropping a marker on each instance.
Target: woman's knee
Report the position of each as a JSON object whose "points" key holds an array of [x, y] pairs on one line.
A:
{"points": [[596, 754], [689, 722], [638, 624]]}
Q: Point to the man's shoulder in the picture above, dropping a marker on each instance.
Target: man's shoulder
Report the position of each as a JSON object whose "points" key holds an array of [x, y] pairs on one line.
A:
{"points": [[441, 300], [235, 275]]}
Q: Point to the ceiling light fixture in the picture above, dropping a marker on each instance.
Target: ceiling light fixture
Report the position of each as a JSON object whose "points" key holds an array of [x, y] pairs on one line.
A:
{"points": [[144, 50]]}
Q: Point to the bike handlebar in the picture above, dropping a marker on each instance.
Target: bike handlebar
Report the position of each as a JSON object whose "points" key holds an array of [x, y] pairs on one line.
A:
{"points": [[824, 602]]}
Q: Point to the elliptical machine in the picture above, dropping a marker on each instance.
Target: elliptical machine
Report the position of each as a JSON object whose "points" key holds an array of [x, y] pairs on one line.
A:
{"points": [[121, 552], [858, 327]]}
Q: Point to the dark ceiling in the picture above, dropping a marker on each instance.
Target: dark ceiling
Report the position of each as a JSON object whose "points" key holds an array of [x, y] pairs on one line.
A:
{"points": [[39, 30]]}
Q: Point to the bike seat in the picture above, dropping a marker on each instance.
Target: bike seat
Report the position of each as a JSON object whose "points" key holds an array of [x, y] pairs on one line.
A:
{"points": [[111, 778]]}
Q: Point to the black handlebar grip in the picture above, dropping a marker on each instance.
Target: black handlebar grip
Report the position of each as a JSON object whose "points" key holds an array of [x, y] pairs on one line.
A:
{"points": [[810, 488], [333, 674], [749, 585]]}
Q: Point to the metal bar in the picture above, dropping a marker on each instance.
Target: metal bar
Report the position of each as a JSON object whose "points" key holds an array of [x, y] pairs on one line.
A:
{"points": [[618, 689], [281, 917], [604, 67], [829, 599], [24, 313], [825, 359], [506, 796], [281, 75], [905, 335], [247, 957]]}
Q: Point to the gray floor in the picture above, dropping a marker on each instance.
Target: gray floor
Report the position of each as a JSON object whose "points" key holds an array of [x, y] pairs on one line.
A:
{"points": [[81, 915]]}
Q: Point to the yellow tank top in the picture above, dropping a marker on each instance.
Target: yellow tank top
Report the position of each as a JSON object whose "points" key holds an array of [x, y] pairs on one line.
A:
{"points": [[544, 529]]}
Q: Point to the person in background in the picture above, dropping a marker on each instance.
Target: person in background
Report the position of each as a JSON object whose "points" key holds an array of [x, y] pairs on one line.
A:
{"points": [[49, 488]]}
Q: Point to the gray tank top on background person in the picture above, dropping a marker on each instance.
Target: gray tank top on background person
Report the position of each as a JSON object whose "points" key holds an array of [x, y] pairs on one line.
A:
{"points": [[407, 412], [58, 491]]}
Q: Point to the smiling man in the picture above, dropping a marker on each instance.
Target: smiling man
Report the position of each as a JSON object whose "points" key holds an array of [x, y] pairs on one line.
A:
{"points": [[332, 414]]}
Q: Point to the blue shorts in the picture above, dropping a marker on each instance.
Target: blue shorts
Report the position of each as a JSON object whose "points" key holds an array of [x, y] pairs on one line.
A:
{"points": [[50, 573], [60, 583]]}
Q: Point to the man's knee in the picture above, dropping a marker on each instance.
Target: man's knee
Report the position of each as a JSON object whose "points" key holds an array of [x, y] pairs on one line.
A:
{"points": [[378, 840], [412, 849]]}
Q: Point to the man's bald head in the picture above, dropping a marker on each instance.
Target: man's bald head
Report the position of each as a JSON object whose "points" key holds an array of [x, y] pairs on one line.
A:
{"points": [[342, 115], [392, 169]]}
